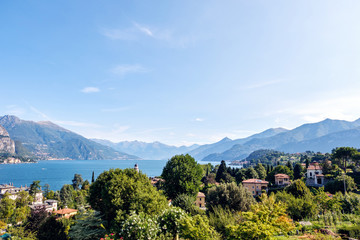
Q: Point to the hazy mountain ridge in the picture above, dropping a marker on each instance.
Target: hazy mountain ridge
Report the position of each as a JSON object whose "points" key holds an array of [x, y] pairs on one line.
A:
{"points": [[322, 136], [226, 143], [47, 140], [153, 151]]}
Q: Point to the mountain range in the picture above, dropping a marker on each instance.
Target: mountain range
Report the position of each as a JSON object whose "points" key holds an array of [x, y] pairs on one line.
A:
{"points": [[154, 150], [47, 140], [322, 136]]}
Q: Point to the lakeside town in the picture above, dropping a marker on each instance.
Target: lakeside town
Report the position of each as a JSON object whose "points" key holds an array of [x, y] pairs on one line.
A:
{"points": [[304, 199]]}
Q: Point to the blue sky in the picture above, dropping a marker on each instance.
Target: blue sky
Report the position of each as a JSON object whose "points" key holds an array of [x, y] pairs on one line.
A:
{"points": [[179, 72]]}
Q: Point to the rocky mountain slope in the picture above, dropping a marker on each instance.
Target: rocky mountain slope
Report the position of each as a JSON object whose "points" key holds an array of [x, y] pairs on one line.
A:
{"points": [[7, 145], [47, 140]]}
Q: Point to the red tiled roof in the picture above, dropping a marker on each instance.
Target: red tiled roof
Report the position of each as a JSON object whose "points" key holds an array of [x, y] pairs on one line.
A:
{"points": [[314, 166], [280, 175], [65, 211], [200, 194], [254, 180]]}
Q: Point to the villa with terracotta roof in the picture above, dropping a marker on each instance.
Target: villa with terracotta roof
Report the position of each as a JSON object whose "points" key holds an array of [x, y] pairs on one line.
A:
{"points": [[200, 200], [255, 186], [282, 179], [314, 175], [65, 213]]}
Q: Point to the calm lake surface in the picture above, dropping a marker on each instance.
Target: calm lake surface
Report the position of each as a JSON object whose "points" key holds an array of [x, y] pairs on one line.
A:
{"points": [[58, 173]]}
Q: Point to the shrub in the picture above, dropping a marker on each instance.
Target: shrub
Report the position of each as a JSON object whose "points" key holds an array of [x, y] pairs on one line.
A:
{"points": [[139, 226]]}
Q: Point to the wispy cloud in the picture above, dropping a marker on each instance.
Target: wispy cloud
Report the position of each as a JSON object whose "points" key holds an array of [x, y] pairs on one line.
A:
{"points": [[90, 90], [199, 119], [143, 29], [37, 111], [124, 69], [138, 31], [118, 34]]}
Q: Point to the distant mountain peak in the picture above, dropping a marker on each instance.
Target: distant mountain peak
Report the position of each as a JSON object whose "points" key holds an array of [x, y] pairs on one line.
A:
{"points": [[225, 139]]}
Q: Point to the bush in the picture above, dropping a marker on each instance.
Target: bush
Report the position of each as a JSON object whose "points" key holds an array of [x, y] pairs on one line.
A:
{"points": [[220, 218], [229, 195], [169, 221], [337, 185], [352, 231], [139, 226], [198, 228]]}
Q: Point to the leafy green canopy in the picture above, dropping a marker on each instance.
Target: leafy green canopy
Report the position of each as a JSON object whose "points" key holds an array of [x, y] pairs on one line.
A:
{"points": [[182, 174], [116, 193], [229, 195]]}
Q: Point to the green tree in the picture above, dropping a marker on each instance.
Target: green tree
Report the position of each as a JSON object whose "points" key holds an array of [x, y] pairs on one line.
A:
{"points": [[139, 226], [307, 162], [87, 226], [197, 227], [169, 221], [19, 232], [251, 173], [36, 218], [289, 165], [279, 169], [343, 156], [261, 171], [298, 188], [116, 193], [182, 174], [229, 195], [219, 218], [34, 188], [7, 206], [298, 208], [22, 210], [298, 171], [337, 184], [266, 219], [93, 177], [23, 199], [66, 195], [186, 203], [52, 229], [46, 190], [77, 181], [85, 185], [222, 170]]}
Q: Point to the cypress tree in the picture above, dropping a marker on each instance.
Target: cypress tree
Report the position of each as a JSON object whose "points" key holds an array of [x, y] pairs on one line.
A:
{"points": [[93, 177], [221, 171]]}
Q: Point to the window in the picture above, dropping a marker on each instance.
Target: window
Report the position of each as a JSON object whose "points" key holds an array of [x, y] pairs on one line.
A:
{"points": [[200, 200], [252, 186]]}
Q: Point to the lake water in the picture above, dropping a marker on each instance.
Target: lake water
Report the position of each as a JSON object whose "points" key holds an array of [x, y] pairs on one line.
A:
{"points": [[58, 173]]}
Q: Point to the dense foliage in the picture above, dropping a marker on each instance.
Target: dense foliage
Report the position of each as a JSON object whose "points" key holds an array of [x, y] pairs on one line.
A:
{"points": [[117, 193], [182, 174]]}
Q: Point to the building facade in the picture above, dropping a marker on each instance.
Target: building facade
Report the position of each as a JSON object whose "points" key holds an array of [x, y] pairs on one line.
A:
{"points": [[282, 179], [255, 186]]}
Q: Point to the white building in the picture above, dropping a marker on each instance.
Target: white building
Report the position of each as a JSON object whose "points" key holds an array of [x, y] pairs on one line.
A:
{"points": [[315, 175]]}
